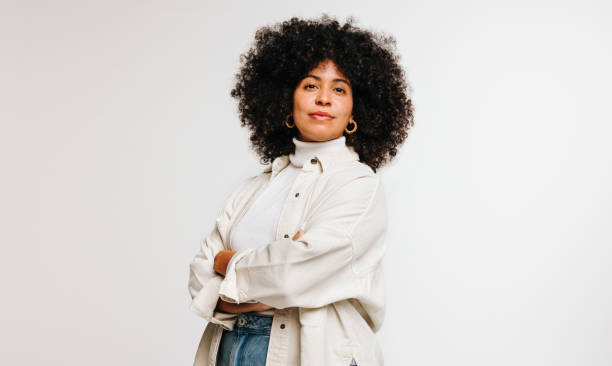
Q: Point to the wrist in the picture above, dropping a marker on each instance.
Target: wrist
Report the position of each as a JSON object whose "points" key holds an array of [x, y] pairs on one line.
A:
{"points": [[222, 259]]}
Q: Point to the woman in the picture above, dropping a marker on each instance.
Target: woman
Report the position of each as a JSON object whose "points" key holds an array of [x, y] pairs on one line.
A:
{"points": [[291, 273]]}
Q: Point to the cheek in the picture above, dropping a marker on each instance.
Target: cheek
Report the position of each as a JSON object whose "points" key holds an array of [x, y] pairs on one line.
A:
{"points": [[347, 107], [298, 102], [295, 100]]}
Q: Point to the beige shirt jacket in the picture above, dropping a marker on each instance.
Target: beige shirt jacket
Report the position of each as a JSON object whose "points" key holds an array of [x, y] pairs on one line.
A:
{"points": [[327, 286]]}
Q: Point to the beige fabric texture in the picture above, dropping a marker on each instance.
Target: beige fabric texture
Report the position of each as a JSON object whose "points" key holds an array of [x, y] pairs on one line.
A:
{"points": [[327, 286]]}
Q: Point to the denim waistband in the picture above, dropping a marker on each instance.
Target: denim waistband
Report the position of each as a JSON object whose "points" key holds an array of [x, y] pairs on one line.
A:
{"points": [[253, 323]]}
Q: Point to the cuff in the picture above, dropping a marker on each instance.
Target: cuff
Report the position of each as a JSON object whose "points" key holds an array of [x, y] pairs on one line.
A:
{"points": [[228, 289], [204, 303]]}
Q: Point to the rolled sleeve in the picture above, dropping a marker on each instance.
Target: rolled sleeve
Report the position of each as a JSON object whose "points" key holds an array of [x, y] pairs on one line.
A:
{"points": [[204, 283], [228, 289]]}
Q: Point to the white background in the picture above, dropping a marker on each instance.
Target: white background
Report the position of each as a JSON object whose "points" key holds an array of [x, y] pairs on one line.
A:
{"points": [[119, 142]]}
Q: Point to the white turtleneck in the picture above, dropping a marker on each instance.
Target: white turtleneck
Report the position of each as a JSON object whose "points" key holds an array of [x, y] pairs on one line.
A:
{"points": [[258, 226]]}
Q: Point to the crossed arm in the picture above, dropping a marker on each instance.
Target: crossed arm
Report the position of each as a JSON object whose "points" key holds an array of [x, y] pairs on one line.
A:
{"points": [[222, 259]]}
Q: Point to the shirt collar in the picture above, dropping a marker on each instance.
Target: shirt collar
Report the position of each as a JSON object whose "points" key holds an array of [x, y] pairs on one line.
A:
{"points": [[322, 160]]}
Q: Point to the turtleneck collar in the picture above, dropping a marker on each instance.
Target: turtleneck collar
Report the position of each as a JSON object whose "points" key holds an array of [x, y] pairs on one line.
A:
{"points": [[304, 151]]}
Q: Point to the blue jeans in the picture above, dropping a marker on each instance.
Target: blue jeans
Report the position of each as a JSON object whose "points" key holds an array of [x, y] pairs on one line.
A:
{"points": [[247, 344]]}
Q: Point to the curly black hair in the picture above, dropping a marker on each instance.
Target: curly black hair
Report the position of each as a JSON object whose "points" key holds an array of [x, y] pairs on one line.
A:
{"points": [[282, 56]]}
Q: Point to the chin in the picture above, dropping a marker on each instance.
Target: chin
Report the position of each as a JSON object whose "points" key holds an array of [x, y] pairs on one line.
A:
{"points": [[316, 136]]}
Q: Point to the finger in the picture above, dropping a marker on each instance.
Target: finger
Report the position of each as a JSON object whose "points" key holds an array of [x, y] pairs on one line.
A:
{"points": [[297, 235]]}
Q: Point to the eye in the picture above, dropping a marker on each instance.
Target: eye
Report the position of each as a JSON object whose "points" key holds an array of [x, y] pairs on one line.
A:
{"points": [[309, 86], [339, 90]]}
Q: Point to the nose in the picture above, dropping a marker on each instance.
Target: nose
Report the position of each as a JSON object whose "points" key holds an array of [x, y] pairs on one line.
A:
{"points": [[323, 97]]}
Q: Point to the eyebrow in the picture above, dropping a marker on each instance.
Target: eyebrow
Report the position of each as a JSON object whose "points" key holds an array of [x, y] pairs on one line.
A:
{"points": [[318, 78]]}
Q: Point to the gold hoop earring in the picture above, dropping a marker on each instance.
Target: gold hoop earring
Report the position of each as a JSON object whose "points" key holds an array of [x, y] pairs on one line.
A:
{"points": [[290, 125], [354, 126]]}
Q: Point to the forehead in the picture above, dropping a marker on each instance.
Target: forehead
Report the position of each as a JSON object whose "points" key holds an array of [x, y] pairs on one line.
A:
{"points": [[327, 69]]}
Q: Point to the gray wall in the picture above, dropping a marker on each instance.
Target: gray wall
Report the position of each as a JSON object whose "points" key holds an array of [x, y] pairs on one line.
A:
{"points": [[117, 131]]}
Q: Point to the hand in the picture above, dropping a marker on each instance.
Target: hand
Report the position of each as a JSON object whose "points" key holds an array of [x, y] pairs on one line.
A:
{"points": [[228, 307], [222, 260]]}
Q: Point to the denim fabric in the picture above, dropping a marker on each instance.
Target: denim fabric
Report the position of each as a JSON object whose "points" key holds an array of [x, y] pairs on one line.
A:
{"points": [[247, 344]]}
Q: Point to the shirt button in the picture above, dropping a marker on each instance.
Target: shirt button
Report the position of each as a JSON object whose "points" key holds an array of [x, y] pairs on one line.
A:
{"points": [[313, 160], [286, 235], [282, 326], [297, 194]]}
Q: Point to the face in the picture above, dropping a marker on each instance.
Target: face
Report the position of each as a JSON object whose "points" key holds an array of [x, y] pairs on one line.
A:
{"points": [[322, 103]]}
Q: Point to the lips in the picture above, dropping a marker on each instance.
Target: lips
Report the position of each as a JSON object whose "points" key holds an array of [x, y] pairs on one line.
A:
{"points": [[320, 115]]}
